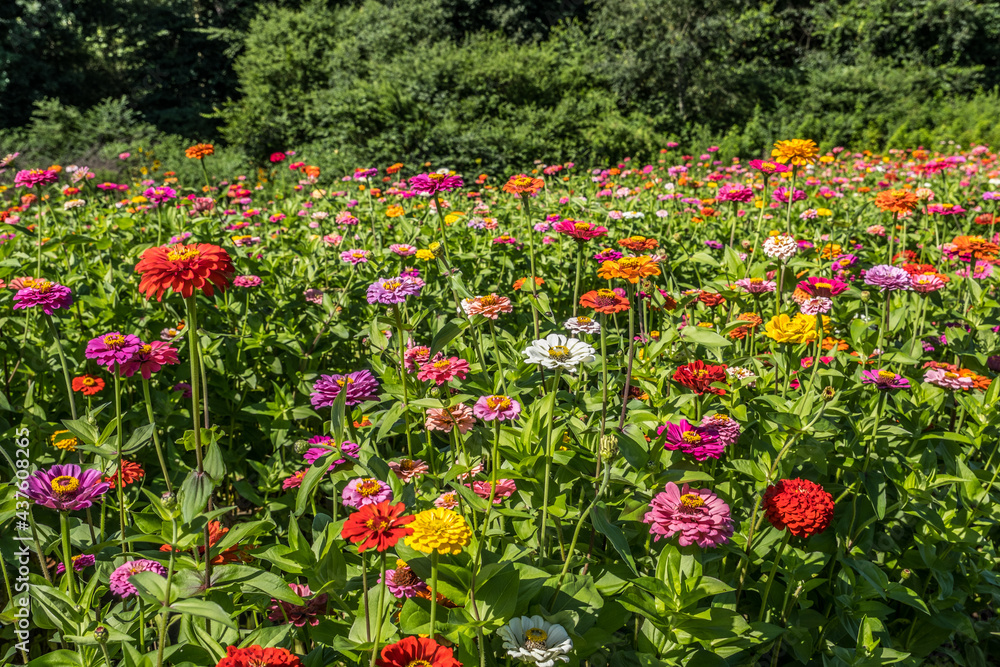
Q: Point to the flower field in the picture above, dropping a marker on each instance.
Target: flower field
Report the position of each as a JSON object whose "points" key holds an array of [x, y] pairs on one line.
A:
{"points": [[691, 410]]}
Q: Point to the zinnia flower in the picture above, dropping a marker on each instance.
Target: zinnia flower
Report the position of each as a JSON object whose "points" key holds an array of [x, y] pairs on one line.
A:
{"points": [[299, 615], [199, 151], [113, 349], [380, 525], [823, 287], [581, 231], [885, 380], [797, 151], [804, 507], [582, 324], [631, 269], [505, 489], [444, 370], [439, 530], [50, 297], [946, 379], [80, 562], [355, 257], [698, 516], [365, 491], [532, 639], [756, 285], [184, 269], [417, 652], [255, 656], [888, 278], [431, 184], [896, 201], [722, 426], [769, 167], [638, 243], [604, 301], [693, 440], [408, 469], [522, 184], [496, 407], [359, 385], [402, 582], [393, 290], [798, 329], [780, 246], [88, 385], [699, 376], [129, 472], [150, 358], [119, 582], [64, 440], [66, 487], [491, 306], [557, 351], [445, 419]]}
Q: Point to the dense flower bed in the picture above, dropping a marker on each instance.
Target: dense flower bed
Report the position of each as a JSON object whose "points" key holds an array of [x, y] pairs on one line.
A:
{"points": [[698, 411]]}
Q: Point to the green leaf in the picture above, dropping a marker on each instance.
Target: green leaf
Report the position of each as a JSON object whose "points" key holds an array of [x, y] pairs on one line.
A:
{"points": [[253, 577], [205, 609], [312, 478], [598, 515], [195, 492], [60, 658], [447, 333], [704, 337]]}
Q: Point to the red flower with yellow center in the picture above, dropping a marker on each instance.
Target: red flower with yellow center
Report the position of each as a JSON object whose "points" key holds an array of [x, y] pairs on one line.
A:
{"points": [[184, 269], [638, 243], [255, 656], [699, 376], [129, 472], [88, 385], [417, 652], [604, 301], [380, 526]]}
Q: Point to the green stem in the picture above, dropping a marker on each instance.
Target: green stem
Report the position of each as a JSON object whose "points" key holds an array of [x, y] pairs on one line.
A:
{"points": [[156, 438], [549, 453], [378, 626], [195, 358], [62, 362], [119, 483], [774, 572], [434, 590], [67, 552], [403, 376]]}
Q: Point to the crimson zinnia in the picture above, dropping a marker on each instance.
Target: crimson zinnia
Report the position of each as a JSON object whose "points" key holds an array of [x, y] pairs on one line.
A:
{"points": [[804, 507], [699, 376], [184, 269], [379, 525], [255, 656]]}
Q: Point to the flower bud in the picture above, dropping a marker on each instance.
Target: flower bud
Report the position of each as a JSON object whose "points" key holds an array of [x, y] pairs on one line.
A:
{"points": [[866, 295], [301, 446], [993, 363], [169, 500], [101, 634], [608, 448], [828, 394]]}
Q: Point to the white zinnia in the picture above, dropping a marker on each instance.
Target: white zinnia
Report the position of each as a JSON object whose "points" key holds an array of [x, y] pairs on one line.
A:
{"points": [[533, 639], [582, 325], [781, 247], [556, 351]]}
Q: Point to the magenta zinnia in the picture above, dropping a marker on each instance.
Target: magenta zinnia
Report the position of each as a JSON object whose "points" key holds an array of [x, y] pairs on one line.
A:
{"points": [[696, 441], [359, 385], [697, 516], [50, 297], [66, 487]]}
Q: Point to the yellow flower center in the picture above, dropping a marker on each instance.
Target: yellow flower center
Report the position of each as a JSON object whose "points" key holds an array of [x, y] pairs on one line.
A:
{"points": [[89, 382], [606, 293], [114, 340], [489, 300], [559, 352], [181, 253], [582, 226], [498, 402], [65, 484], [583, 320], [344, 381], [146, 349], [378, 525], [692, 500], [536, 636], [390, 285], [690, 437], [886, 376], [419, 663], [823, 285], [444, 363], [368, 487], [631, 262], [43, 286], [951, 375]]}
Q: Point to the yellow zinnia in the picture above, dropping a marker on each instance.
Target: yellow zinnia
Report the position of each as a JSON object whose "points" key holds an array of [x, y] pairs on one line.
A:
{"points": [[798, 329], [440, 530], [425, 255], [797, 151], [63, 440], [395, 211]]}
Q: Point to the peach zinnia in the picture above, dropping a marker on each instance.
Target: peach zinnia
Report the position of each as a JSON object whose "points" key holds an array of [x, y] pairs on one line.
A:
{"points": [[522, 184], [629, 268], [184, 269]]}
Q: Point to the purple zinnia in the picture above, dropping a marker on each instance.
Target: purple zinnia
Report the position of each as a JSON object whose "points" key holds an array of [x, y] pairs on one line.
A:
{"points": [[885, 380], [723, 427], [49, 296], [66, 487], [431, 184], [735, 192], [364, 174], [888, 278], [393, 290], [355, 256], [699, 442], [120, 584], [313, 454], [365, 491], [608, 255], [113, 348], [80, 561], [359, 385]]}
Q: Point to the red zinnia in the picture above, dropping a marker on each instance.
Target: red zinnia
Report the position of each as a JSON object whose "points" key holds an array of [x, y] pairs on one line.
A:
{"points": [[255, 656], [699, 376], [414, 651], [800, 505], [216, 531], [130, 472], [379, 526], [604, 301], [184, 269], [88, 385]]}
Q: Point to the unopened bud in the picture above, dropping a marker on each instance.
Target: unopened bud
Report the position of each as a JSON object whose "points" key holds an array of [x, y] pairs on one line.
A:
{"points": [[608, 448], [101, 633], [828, 393], [169, 500], [301, 446], [866, 295]]}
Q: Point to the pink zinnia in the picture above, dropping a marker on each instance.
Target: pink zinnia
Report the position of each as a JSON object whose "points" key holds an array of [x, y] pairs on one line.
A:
{"points": [[491, 306], [365, 491], [50, 297], [723, 427], [313, 454], [113, 348], [119, 582], [295, 481], [447, 501], [825, 287], [816, 305], [756, 285], [408, 469], [29, 178], [355, 257], [444, 370], [496, 407], [699, 442], [246, 281], [946, 379], [885, 379], [431, 184], [150, 358], [297, 614], [581, 231], [505, 489], [402, 249], [418, 355], [445, 419], [402, 582], [698, 516]]}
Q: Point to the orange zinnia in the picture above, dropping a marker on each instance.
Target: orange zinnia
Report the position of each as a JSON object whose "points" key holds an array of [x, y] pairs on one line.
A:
{"points": [[896, 201], [976, 247], [184, 269], [629, 268], [604, 301], [522, 184], [638, 243], [797, 151], [199, 151]]}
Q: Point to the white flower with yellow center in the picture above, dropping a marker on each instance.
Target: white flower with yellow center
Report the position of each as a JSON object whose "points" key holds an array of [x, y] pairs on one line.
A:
{"points": [[582, 325], [535, 640], [556, 351]]}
